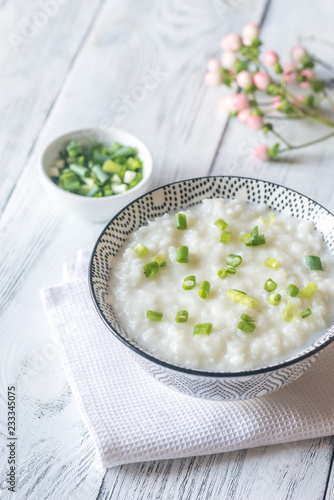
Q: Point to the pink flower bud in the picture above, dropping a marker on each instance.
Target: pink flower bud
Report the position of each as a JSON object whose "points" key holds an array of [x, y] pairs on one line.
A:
{"points": [[244, 79], [250, 32], [239, 102], [231, 42], [277, 102], [229, 60], [213, 64], [261, 153], [244, 115], [309, 75], [226, 104], [262, 80], [298, 52], [290, 73], [270, 58], [213, 78], [255, 122], [300, 97]]}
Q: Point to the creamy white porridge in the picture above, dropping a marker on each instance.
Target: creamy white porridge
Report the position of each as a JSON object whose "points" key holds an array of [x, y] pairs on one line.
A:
{"points": [[234, 343]]}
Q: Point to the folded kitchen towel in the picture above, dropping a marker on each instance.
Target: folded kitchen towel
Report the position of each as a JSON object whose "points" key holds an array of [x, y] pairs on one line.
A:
{"points": [[133, 418]]}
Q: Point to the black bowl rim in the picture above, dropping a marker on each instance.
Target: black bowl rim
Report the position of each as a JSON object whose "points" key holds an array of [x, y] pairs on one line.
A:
{"points": [[188, 371]]}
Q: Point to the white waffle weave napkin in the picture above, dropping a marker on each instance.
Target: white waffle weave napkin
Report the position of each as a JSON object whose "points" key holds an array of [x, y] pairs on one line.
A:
{"points": [[133, 418]]}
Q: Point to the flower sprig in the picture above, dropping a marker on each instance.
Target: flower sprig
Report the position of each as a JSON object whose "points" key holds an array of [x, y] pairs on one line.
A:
{"points": [[241, 67]]}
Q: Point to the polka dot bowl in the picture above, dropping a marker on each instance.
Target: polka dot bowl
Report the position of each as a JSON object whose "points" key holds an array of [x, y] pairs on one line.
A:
{"points": [[172, 198]]}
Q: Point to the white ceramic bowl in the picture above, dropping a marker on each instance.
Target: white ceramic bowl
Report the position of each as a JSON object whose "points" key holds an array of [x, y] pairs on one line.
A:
{"points": [[175, 197], [95, 209]]}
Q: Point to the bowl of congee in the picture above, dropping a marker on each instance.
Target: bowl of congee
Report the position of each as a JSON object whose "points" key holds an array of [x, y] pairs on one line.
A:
{"points": [[221, 287]]}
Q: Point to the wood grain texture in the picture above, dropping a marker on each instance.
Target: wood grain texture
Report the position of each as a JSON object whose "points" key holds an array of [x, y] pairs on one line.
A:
{"points": [[141, 67], [39, 42]]}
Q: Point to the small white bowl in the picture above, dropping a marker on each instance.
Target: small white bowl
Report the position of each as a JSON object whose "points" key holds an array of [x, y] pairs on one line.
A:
{"points": [[95, 209]]}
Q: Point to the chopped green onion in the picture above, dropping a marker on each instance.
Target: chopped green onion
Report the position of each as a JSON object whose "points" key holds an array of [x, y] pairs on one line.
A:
{"points": [[274, 299], [102, 176], [93, 191], [160, 259], [129, 176], [156, 316], [222, 273], [271, 219], [140, 249], [242, 298], [255, 238], [119, 188], [182, 317], [247, 318], [221, 224], [292, 290], [189, 282], [202, 329], [271, 262], [233, 260], [150, 269], [244, 237], [306, 313], [72, 186], [182, 255], [313, 263], [290, 311], [270, 285], [181, 221], [204, 289], [309, 290], [79, 170], [231, 270], [246, 327], [112, 167], [225, 237]]}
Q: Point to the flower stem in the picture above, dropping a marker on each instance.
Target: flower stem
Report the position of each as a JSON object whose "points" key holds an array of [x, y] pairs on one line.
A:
{"points": [[306, 144], [281, 139]]}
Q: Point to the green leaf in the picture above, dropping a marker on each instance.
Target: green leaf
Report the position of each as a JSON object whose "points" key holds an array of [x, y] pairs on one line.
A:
{"points": [[317, 85], [267, 127], [273, 89], [274, 150]]}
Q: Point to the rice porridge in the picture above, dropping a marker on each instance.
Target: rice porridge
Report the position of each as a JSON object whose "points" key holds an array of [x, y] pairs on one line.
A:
{"points": [[224, 286]]}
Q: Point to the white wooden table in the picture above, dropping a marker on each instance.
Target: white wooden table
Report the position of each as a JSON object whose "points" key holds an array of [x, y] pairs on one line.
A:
{"points": [[70, 63]]}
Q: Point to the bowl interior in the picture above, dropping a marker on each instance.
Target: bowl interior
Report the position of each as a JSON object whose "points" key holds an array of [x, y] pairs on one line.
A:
{"points": [[88, 136], [180, 195]]}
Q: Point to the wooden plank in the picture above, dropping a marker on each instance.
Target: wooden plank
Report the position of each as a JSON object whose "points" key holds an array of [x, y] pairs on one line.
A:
{"points": [[289, 471], [39, 41]]}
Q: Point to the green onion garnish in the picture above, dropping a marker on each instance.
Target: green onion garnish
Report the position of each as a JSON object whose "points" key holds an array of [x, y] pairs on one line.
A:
{"points": [[181, 221], [189, 283], [292, 290], [96, 170], [150, 269], [221, 224], [182, 317], [309, 290], [242, 298], [222, 273], [156, 316], [233, 260], [246, 327], [182, 254], [231, 270], [244, 237], [140, 249], [270, 285], [204, 289], [290, 311], [274, 299], [313, 263], [247, 318], [225, 237], [306, 313], [255, 238], [271, 219], [202, 329], [271, 262], [160, 259]]}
